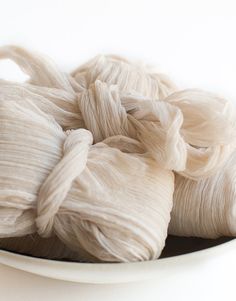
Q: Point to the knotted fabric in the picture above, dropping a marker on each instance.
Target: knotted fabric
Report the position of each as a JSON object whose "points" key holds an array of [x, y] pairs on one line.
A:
{"points": [[87, 158], [112, 203]]}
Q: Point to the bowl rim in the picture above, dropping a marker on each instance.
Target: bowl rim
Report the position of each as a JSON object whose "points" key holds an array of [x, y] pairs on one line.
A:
{"points": [[98, 273]]}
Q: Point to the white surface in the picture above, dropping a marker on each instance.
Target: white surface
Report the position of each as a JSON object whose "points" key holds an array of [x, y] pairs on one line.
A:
{"points": [[192, 41]]}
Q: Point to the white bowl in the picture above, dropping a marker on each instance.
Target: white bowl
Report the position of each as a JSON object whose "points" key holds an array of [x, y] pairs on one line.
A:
{"points": [[203, 275], [114, 272]]}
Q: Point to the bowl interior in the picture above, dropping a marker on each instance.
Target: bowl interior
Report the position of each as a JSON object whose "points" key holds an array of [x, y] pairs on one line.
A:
{"points": [[33, 245], [183, 245]]}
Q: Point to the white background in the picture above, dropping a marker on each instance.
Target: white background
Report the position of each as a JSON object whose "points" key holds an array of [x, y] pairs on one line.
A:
{"points": [[192, 41]]}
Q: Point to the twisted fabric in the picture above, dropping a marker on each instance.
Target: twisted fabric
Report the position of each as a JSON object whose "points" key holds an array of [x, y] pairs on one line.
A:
{"points": [[86, 158]]}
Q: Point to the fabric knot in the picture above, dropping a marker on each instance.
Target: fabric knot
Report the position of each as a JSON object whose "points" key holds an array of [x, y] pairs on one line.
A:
{"points": [[54, 190], [103, 113], [108, 112]]}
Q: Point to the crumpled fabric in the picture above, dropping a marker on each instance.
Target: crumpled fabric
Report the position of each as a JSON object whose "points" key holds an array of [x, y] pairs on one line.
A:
{"points": [[188, 131], [137, 128]]}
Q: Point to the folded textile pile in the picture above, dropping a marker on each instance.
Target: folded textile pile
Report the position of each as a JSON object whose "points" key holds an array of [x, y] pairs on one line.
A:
{"points": [[106, 161]]}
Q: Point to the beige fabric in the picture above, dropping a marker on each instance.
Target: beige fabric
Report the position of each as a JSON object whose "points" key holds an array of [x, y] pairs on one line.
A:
{"points": [[190, 131], [206, 208], [106, 192], [130, 77], [114, 205]]}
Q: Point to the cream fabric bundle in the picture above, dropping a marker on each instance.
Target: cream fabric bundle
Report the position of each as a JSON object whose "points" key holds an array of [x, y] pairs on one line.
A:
{"points": [[113, 204], [147, 119]]}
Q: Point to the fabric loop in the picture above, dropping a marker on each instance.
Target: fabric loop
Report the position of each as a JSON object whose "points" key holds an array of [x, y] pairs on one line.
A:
{"points": [[54, 190]]}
